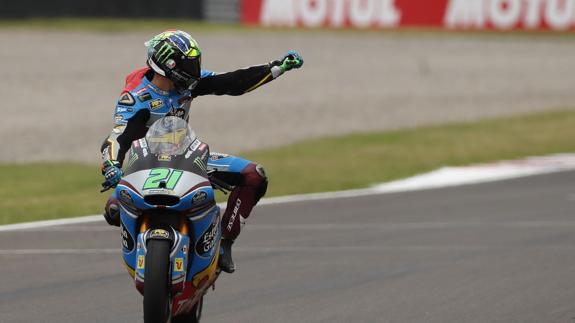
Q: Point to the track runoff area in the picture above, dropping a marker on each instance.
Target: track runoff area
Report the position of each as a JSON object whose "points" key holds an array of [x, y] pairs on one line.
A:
{"points": [[426, 249]]}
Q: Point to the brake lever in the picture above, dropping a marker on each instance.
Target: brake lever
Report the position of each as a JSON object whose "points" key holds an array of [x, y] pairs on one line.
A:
{"points": [[218, 184], [220, 189]]}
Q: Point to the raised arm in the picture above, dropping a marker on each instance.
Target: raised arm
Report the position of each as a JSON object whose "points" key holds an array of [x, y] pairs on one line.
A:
{"points": [[248, 79]]}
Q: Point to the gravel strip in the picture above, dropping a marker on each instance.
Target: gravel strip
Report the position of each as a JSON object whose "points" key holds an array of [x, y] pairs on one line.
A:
{"points": [[59, 88]]}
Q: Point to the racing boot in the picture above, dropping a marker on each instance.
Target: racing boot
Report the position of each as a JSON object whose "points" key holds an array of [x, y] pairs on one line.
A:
{"points": [[112, 213], [225, 262]]}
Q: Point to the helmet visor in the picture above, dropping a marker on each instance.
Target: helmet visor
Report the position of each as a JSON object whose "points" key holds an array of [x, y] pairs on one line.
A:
{"points": [[187, 72], [190, 65]]}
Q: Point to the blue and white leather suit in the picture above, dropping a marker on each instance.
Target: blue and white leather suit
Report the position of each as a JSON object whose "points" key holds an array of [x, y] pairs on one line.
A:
{"points": [[142, 103]]}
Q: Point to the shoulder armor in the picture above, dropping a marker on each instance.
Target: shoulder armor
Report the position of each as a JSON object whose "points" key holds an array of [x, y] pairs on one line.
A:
{"points": [[126, 98], [128, 105]]}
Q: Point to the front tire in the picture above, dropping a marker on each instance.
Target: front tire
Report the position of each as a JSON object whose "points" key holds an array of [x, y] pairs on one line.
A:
{"points": [[194, 316], [156, 282]]}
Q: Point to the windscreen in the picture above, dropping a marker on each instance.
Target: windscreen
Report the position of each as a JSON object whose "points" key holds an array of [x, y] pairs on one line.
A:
{"points": [[170, 136]]}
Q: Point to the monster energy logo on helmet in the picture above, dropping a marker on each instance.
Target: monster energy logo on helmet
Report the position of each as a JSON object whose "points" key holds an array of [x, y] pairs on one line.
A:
{"points": [[164, 53]]}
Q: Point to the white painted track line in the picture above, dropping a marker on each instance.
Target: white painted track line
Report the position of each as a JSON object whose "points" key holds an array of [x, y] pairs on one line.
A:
{"points": [[19, 252], [444, 177], [49, 223]]}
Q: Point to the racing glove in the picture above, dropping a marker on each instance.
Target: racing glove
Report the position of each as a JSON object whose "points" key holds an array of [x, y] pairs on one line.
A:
{"points": [[289, 61], [112, 173]]}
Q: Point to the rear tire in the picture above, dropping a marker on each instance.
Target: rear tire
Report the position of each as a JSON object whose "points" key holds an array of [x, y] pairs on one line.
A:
{"points": [[156, 282]]}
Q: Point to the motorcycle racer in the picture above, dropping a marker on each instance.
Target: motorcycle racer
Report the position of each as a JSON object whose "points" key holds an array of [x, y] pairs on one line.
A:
{"points": [[168, 84]]}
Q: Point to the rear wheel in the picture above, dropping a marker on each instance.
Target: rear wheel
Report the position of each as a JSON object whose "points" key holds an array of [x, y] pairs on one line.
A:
{"points": [[156, 286]]}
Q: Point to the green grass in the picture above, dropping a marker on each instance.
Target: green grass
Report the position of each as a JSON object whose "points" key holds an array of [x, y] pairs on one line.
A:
{"points": [[193, 26], [45, 191], [361, 160]]}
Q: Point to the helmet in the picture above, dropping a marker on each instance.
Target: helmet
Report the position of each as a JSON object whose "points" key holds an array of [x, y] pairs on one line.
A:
{"points": [[175, 55]]}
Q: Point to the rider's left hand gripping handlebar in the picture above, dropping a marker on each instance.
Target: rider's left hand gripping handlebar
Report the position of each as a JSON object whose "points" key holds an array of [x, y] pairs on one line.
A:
{"points": [[112, 173]]}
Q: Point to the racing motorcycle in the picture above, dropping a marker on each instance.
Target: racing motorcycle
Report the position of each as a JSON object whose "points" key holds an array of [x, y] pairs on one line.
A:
{"points": [[170, 223]]}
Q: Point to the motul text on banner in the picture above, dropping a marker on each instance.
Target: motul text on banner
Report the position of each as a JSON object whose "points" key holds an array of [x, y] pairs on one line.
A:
{"points": [[449, 14]]}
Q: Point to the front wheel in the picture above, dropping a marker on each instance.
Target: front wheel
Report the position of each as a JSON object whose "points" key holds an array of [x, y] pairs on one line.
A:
{"points": [[156, 283], [194, 316]]}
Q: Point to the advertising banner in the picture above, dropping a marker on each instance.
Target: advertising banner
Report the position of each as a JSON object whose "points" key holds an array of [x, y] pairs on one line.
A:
{"points": [[449, 14]]}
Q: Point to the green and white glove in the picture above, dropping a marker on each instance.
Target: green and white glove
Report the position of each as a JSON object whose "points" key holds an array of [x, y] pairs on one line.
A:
{"points": [[291, 60]]}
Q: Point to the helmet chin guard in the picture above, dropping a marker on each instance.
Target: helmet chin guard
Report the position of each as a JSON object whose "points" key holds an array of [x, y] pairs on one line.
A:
{"points": [[155, 67]]}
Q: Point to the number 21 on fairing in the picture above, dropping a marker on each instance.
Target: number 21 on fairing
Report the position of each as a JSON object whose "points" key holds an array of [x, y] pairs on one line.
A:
{"points": [[157, 175]]}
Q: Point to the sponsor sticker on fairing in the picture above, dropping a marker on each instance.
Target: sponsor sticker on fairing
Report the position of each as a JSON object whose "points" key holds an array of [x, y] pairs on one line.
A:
{"points": [[159, 233], [133, 158], [140, 262], [126, 197], [207, 240], [195, 144], [160, 191], [144, 146], [200, 197], [200, 163], [127, 240], [179, 264]]}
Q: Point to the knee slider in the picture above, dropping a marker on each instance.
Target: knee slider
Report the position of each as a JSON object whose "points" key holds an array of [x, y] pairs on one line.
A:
{"points": [[263, 187], [255, 176]]}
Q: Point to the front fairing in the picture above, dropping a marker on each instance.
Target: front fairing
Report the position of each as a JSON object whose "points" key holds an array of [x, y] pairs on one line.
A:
{"points": [[181, 176], [193, 257], [194, 159]]}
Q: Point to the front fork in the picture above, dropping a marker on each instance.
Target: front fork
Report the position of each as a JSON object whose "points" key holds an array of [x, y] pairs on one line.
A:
{"points": [[179, 240]]}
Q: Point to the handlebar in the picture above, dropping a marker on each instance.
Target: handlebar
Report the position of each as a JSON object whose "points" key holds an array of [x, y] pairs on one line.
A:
{"points": [[219, 184], [106, 188]]}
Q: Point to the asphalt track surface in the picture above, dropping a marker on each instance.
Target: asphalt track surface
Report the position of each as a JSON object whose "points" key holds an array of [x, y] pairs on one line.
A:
{"points": [[495, 252]]}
